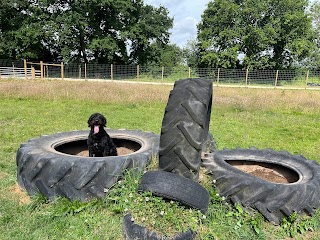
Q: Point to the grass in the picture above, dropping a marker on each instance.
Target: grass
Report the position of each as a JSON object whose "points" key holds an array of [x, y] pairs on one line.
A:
{"points": [[264, 118]]}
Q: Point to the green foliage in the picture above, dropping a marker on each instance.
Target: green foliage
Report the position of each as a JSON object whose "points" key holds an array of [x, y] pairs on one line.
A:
{"points": [[83, 31], [242, 217], [293, 225], [65, 207], [266, 34], [190, 52], [314, 60], [149, 35]]}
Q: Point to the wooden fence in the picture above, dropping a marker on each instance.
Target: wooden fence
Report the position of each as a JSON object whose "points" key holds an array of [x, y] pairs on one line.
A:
{"points": [[240, 77]]}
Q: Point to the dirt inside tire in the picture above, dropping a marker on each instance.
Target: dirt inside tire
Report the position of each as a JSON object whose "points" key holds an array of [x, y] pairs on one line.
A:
{"points": [[79, 148], [269, 172], [121, 151]]}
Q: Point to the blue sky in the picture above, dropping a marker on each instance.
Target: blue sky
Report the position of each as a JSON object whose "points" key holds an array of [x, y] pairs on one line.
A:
{"points": [[186, 13]]}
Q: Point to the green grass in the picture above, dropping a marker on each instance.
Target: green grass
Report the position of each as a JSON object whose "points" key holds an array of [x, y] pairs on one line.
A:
{"points": [[278, 119]]}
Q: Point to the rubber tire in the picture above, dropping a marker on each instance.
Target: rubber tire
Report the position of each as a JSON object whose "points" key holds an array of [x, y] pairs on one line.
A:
{"points": [[185, 127], [133, 231], [175, 187], [43, 169], [273, 200]]}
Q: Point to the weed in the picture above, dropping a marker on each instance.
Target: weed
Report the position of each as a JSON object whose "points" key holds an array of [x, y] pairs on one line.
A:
{"points": [[65, 207], [244, 218], [293, 225]]}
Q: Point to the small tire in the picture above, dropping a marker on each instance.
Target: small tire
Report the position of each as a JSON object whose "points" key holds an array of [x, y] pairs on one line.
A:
{"points": [[41, 168], [185, 127], [175, 187], [273, 200], [133, 231]]}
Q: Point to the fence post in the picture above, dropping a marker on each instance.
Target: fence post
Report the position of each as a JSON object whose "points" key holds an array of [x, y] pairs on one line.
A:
{"points": [[41, 70], [25, 68], [247, 74], [62, 71], [307, 78], [276, 81], [138, 72], [33, 72], [85, 71], [162, 74], [13, 70], [189, 74], [218, 76], [80, 71], [111, 72]]}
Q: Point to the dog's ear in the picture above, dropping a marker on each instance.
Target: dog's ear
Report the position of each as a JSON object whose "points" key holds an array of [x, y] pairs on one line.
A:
{"points": [[104, 120], [90, 119]]}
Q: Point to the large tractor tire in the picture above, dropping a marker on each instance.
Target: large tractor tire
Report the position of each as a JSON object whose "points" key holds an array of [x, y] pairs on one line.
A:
{"points": [[272, 199], [53, 165], [185, 127]]}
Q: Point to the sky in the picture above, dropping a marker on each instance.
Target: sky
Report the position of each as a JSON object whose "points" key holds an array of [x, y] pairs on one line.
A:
{"points": [[186, 13]]}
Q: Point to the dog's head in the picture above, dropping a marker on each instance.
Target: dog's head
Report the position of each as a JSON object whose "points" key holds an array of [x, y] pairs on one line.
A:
{"points": [[96, 121]]}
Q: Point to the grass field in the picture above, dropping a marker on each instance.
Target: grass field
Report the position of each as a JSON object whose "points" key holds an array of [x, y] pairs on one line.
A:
{"points": [[264, 118]]}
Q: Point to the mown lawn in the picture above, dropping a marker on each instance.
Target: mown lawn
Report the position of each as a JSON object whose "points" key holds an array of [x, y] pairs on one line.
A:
{"points": [[265, 118]]}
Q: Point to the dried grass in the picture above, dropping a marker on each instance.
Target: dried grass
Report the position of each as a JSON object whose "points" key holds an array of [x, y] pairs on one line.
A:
{"points": [[111, 92], [118, 92], [273, 99]]}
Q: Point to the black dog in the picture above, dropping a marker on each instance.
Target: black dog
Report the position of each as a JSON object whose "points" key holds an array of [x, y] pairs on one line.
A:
{"points": [[99, 142]]}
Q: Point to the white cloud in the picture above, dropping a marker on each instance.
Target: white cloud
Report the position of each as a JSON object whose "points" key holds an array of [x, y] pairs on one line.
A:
{"points": [[186, 13], [184, 25]]}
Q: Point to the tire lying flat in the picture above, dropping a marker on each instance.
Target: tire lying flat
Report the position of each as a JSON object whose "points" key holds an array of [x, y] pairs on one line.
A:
{"points": [[43, 169], [175, 187], [273, 200], [185, 127]]}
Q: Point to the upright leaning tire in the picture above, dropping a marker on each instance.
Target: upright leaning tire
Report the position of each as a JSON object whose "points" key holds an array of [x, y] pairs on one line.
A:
{"points": [[48, 165], [273, 200], [185, 127]]}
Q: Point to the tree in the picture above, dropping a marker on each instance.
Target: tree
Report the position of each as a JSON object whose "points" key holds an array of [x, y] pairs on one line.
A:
{"points": [[22, 34], [265, 34], [149, 35], [190, 53], [314, 60], [104, 31], [169, 55]]}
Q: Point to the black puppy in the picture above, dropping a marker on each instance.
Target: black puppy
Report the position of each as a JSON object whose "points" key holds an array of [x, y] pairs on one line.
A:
{"points": [[99, 142]]}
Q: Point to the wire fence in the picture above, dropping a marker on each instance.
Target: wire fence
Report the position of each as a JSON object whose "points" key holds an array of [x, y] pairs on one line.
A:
{"points": [[296, 78]]}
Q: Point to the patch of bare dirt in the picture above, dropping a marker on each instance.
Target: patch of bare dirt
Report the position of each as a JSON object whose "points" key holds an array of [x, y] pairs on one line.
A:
{"points": [[20, 194]]}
